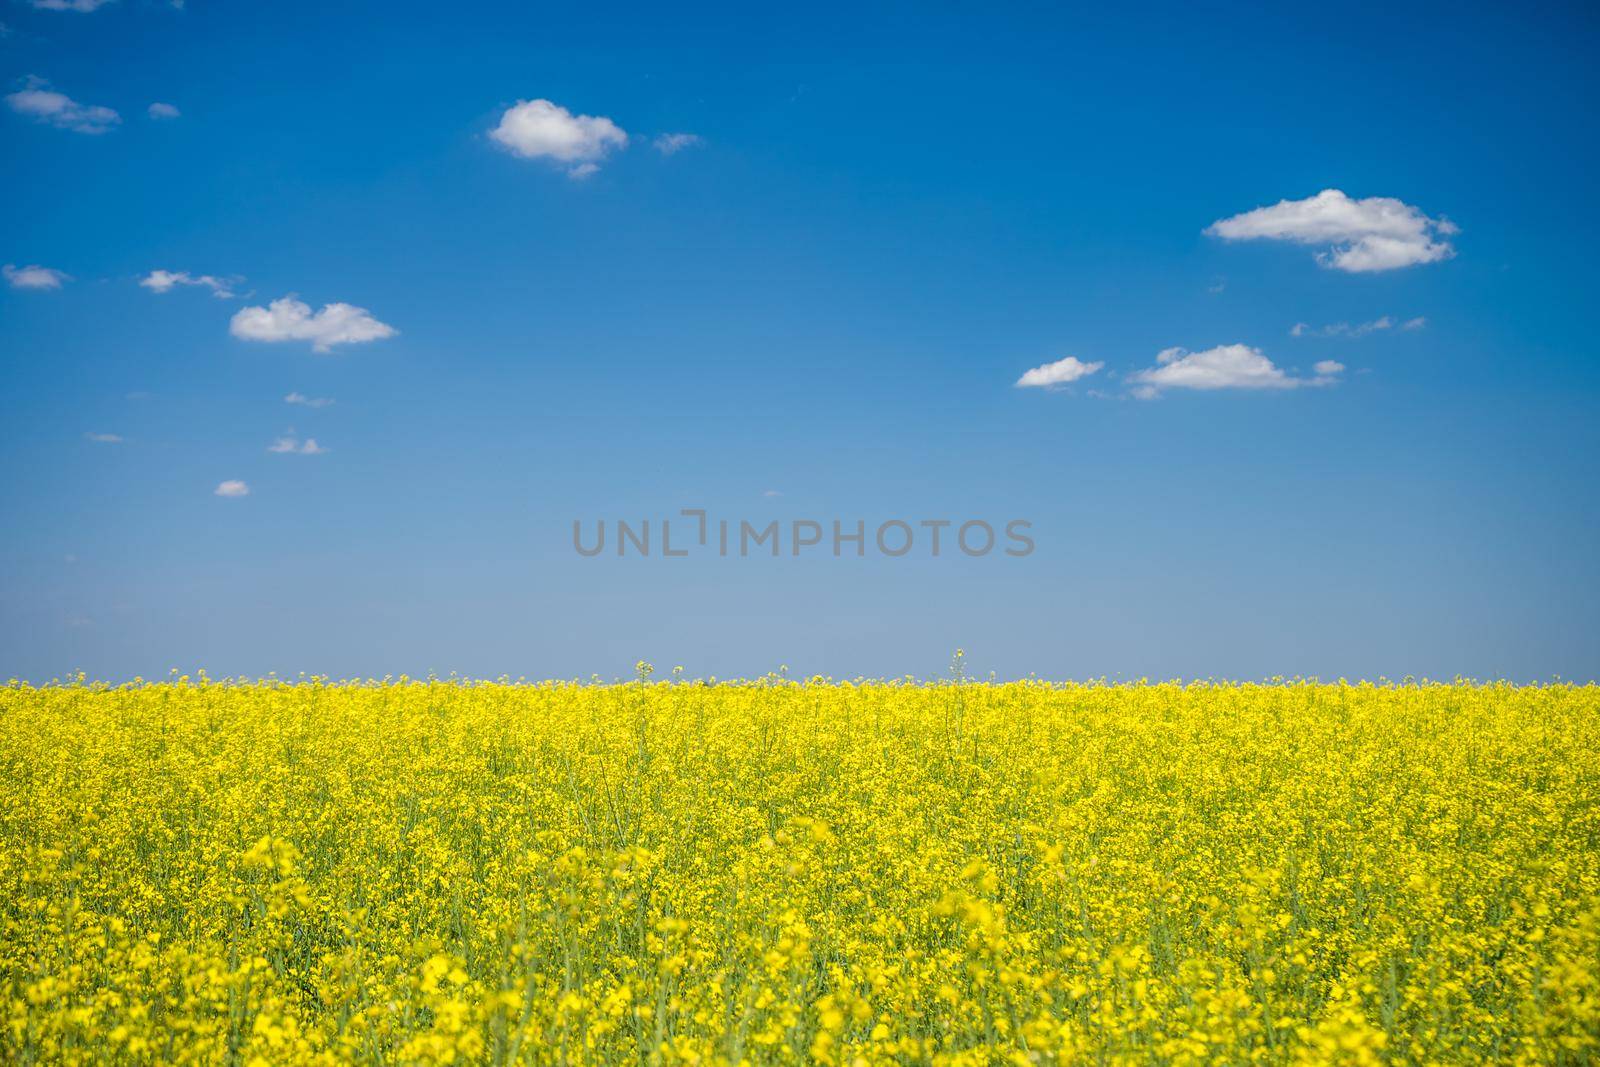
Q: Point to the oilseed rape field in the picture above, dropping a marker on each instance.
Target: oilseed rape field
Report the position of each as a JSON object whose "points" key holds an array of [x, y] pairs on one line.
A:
{"points": [[774, 872]]}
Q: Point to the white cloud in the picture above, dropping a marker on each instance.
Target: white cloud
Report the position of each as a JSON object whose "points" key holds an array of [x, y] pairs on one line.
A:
{"points": [[159, 110], [164, 281], [308, 401], [33, 277], [1327, 368], [771, 493], [539, 129], [1360, 329], [1223, 367], [291, 445], [104, 438], [82, 6], [1060, 372], [43, 104], [289, 319], [232, 487], [672, 143], [1378, 233]]}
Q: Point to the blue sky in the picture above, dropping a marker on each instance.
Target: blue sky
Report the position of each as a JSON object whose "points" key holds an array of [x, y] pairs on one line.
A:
{"points": [[817, 307]]}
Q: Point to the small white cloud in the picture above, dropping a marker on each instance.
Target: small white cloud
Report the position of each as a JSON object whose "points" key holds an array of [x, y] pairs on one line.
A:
{"points": [[1223, 367], [1217, 286], [291, 445], [669, 144], [1378, 233], [81, 6], [289, 319], [539, 129], [308, 401], [159, 110], [1345, 329], [1060, 372], [104, 438], [164, 281], [1327, 368], [1414, 324], [43, 104], [232, 487], [33, 277], [771, 493]]}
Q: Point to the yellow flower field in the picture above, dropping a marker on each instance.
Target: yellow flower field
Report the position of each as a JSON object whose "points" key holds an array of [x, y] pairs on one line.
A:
{"points": [[777, 872]]}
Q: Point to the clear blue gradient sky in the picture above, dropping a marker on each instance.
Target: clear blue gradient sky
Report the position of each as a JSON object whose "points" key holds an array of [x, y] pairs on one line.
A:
{"points": [[891, 214]]}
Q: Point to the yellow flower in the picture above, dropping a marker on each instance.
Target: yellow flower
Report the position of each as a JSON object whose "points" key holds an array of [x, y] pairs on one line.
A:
{"points": [[766, 872]]}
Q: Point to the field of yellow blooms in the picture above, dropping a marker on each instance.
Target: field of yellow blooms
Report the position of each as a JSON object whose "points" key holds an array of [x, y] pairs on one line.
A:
{"points": [[777, 872]]}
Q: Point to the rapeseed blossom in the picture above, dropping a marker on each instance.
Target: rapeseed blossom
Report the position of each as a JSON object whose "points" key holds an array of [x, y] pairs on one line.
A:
{"points": [[799, 872]]}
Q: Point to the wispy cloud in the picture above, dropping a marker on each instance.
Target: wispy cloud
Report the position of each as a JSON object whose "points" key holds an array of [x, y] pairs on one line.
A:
{"points": [[289, 319], [1378, 233], [1342, 329], [1061, 372], [1360, 329], [81, 6], [43, 104], [1223, 367], [33, 277], [669, 144], [164, 281], [159, 110], [308, 401], [539, 129], [104, 438], [291, 445], [232, 487]]}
